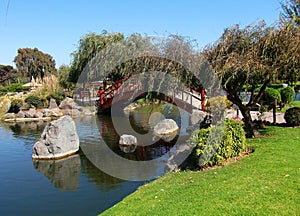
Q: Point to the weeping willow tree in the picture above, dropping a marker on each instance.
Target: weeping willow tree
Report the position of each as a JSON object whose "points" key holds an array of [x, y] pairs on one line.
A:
{"points": [[174, 55], [89, 45]]}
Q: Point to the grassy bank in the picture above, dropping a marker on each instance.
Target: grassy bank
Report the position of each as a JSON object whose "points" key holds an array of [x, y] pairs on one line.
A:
{"points": [[265, 183]]}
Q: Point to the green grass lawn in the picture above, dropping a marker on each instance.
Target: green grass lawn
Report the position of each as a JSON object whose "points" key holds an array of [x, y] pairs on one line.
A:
{"points": [[292, 104], [267, 182]]}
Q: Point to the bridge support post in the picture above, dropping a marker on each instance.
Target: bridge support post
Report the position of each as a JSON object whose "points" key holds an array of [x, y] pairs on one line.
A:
{"points": [[101, 91], [202, 100]]}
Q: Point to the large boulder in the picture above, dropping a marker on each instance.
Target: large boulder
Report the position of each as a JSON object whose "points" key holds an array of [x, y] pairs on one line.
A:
{"points": [[59, 139], [165, 127], [69, 103], [198, 116]]}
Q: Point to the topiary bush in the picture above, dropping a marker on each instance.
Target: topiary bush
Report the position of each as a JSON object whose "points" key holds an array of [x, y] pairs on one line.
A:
{"points": [[292, 116], [270, 94], [15, 106], [287, 94], [34, 101], [214, 145]]}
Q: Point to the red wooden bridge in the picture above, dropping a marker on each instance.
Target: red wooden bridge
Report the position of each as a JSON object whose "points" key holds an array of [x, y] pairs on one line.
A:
{"points": [[125, 89]]}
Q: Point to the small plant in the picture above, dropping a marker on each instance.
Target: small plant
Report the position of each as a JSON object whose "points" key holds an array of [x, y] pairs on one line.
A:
{"points": [[292, 116], [15, 106], [34, 101], [287, 94]]}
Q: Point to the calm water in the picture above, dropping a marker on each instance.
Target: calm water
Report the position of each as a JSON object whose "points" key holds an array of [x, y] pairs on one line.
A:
{"points": [[71, 186]]}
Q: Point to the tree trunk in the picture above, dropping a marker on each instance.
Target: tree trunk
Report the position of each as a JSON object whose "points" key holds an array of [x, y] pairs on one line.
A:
{"points": [[249, 125]]}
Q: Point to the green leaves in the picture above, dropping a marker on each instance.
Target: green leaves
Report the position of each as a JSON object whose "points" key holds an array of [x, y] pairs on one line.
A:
{"points": [[34, 63], [209, 151]]}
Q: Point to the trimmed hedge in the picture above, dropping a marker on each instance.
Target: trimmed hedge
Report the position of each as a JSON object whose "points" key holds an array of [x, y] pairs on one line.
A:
{"points": [[292, 116], [270, 94], [287, 94], [214, 145], [16, 87]]}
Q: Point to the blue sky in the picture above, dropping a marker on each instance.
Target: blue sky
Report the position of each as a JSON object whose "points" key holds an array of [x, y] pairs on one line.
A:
{"points": [[55, 27]]}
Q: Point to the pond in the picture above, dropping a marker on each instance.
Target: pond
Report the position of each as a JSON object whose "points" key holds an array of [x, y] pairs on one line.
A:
{"points": [[74, 185]]}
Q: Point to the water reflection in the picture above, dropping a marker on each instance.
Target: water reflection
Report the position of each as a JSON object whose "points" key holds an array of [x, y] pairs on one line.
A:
{"points": [[63, 173]]}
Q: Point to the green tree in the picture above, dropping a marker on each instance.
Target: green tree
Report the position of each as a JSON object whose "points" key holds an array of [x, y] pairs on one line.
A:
{"points": [[63, 76], [8, 74], [237, 59], [89, 46], [33, 63]]}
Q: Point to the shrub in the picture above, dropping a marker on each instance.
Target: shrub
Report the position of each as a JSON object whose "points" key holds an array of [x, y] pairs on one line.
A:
{"points": [[287, 94], [270, 94], [292, 116], [217, 106], [34, 101], [214, 145], [16, 87], [15, 106]]}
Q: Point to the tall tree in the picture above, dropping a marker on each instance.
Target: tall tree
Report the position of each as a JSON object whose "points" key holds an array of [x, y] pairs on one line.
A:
{"points": [[63, 76], [89, 46], [33, 63], [237, 60], [7, 73]]}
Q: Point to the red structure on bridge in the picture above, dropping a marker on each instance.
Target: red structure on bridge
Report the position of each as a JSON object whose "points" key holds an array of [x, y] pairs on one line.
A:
{"points": [[186, 99]]}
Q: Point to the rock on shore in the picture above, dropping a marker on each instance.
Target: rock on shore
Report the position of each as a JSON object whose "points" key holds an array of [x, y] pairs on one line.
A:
{"points": [[59, 139]]}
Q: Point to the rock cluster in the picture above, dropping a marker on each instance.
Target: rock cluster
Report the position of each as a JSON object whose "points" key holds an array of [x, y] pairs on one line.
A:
{"points": [[66, 107]]}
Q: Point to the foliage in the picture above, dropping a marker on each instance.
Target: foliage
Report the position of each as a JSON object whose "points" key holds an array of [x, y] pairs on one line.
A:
{"points": [[8, 74], [253, 57], [15, 106], [270, 94], [34, 101], [89, 46], [33, 63], [63, 76], [231, 144], [259, 184], [16, 87], [4, 105], [217, 106], [287, 94], [292, 116], [291, 13], [50, 88]]}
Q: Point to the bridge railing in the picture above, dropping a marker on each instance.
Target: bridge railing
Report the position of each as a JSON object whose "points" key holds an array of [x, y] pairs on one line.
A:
{"points": [[194, 97]]}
